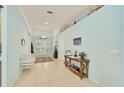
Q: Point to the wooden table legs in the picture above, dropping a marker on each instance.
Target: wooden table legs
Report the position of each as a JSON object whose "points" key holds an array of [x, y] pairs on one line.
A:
{"points": [[87, 68], [81, 70], [84, 64]]}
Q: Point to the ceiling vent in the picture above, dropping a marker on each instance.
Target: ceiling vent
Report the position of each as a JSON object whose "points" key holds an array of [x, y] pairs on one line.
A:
{"points": [[49, 12]]}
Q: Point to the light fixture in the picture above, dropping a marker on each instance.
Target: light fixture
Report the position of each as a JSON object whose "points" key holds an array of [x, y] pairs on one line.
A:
{"points": [[46, 23], [43, 37], [87, 12], [22, 42], [46, 14]]}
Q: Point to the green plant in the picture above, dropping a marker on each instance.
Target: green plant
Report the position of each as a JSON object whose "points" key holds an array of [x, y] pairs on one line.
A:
{"points": [[82, 54]]}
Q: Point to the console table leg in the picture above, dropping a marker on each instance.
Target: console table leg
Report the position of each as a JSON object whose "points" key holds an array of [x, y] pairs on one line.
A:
{"points": [[81, 70], [87, 67]]}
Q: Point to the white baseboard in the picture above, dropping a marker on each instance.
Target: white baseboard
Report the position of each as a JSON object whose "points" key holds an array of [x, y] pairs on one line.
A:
{"points": [[97, 82], [17, 76]]}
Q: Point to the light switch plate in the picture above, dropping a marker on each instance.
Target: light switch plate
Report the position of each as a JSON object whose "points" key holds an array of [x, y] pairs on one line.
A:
{"points": [[114, 51]]}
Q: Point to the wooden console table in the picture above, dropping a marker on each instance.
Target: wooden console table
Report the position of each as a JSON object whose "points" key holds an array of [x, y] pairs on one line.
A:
{"points": [[84, 64]]}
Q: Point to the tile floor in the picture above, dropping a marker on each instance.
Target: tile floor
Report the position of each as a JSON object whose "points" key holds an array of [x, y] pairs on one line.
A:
{"points": [[51, 74]]}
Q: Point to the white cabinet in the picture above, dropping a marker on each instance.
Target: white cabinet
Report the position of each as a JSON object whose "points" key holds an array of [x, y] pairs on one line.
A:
{"points": [[27, 61]]}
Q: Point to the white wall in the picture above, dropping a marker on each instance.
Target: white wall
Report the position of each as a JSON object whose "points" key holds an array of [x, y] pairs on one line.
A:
{"points": [[17, 29], [123, 38], [0, 27], [101, 34], [36, 34]]}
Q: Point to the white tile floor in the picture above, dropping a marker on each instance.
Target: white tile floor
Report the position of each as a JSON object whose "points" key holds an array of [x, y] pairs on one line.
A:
{"points": [[51, 74]]}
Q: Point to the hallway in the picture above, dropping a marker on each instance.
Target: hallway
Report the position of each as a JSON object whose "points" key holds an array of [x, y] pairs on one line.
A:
{"points": [[51, 74], [69, 30]]}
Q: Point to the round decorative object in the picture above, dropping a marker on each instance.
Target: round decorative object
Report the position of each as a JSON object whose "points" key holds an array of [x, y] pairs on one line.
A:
{"points": [[22, 42]]}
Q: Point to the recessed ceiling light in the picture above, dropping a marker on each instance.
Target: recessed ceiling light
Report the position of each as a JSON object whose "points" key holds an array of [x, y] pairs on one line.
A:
{"points": [[46, 23]]}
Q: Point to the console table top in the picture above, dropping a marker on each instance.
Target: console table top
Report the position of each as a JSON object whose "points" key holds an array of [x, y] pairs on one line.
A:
{"points": [[78, 58]]}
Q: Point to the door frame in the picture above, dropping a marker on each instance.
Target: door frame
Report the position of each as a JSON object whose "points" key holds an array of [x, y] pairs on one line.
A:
{"points": [[4, 45]]}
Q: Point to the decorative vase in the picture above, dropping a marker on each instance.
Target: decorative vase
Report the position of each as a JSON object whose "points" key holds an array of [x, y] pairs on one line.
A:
{"points": [[75, 55]]}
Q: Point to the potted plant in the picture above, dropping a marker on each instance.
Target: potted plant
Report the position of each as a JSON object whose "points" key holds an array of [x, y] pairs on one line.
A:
{"points": [[82, 55]]}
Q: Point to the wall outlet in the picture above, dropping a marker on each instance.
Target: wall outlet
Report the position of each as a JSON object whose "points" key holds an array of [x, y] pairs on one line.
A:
{"points": [[114, 51]]}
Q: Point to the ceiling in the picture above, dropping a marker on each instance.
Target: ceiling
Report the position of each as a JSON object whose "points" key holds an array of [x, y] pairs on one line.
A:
{"points": [[62, 14]]}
